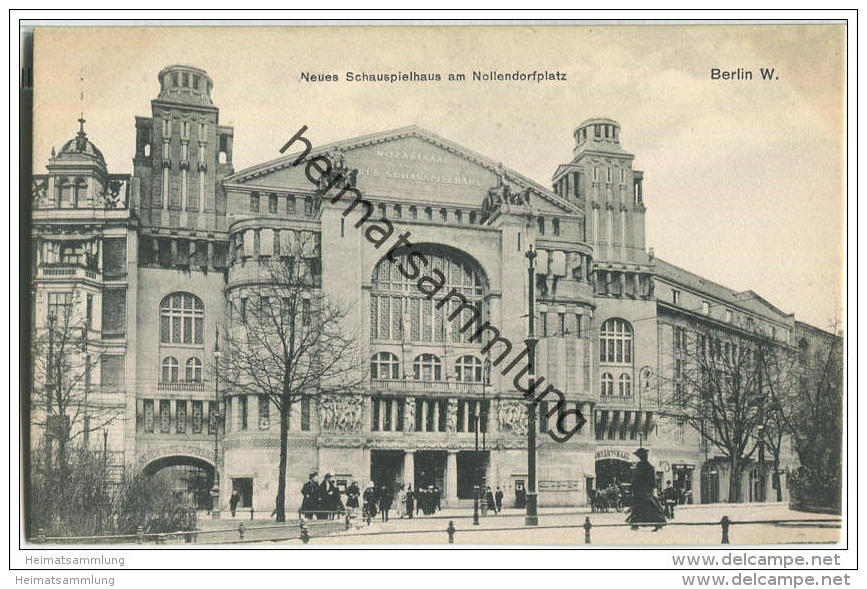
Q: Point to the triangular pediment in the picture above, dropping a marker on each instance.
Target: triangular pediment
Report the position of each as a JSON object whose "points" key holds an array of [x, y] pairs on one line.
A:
{"points": [[410, 164]]}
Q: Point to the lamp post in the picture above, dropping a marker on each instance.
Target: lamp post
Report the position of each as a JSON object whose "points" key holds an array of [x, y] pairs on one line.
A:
{"points": [[215, 491], [531, 518], [645, 374]]}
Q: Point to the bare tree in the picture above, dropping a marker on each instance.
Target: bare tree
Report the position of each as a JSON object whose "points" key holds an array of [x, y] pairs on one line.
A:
{"points": [[717, 389], [65, 404], [812, 412], [288, 341]]}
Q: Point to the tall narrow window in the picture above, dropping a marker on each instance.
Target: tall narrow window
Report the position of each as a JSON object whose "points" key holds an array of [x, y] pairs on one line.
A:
{"points": [[254, 202], [625, 385], [148, 416], [264, 412], [272, 204], [305, 414], [468, 369], [607, 385], [193, 372], [170, 370], [243, 410]]}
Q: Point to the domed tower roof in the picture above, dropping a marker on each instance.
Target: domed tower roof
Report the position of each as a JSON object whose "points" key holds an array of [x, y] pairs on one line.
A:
{"points": [[185, 84], [81, 145]]}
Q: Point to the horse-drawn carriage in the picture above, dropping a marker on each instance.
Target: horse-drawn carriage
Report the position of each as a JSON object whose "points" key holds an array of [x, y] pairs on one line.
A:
{"points": [[614, 496]]}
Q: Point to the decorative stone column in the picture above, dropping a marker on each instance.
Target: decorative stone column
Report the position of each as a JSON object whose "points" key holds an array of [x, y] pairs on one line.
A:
{"points": [[409, 467], [451, 498]]}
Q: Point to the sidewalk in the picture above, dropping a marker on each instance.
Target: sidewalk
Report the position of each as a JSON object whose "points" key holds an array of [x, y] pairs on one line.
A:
{"points": [[565, 527]]}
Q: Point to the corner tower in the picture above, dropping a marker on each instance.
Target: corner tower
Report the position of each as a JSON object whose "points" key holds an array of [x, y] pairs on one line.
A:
{"points": [[600, 178], [183, 153]]}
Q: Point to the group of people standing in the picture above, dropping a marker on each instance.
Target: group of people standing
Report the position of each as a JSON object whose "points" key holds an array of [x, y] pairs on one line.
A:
{"points": [[407, 502], [322, 500]]}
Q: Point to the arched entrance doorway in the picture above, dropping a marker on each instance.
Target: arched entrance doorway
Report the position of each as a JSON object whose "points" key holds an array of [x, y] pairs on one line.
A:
{"points": [[612, 471], [187, 478]]}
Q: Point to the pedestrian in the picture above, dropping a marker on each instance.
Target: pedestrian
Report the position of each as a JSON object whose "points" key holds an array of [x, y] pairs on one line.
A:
{"points": [[369, 499], [492, 503], [385, 500], [324, 498], [498, 497], [352, 494], [309, 495], [670, 498], [233, 501], [437, 499], [645, 509], [410, 501], [401, 502]]}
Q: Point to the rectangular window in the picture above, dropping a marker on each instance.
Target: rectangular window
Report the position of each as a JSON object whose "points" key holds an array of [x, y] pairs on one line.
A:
{"points": [[181, 417], [90, 311], [675, 296], [197, 417], [376, 425], [212, 417], [272, 204], [541, 222], [728, 316], [562, 323], [556, 224], [59, 305], [305, 414], [264, 412], [290, 204], [254, 202], [148, 416], [543, 323], [243, 400], [165, 417]]}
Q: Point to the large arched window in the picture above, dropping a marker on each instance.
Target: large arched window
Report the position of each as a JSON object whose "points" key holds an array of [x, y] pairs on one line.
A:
{"points": [[399, 310], [615, 342], [427, 367], [193, 372], [468, 369], [625, 385], [384, 365], [182, 318], [607, 385], [170, 369]]}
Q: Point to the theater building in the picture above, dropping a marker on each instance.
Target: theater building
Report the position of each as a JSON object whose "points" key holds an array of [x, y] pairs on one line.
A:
{"points": [[153, 259]]}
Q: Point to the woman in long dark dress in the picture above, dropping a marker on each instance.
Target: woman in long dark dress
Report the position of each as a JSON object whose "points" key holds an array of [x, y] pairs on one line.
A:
{"points": [[352, 494], [645, 509]]}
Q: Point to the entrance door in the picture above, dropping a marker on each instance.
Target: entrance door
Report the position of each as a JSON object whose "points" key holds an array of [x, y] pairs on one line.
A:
{"points": [[386, 468], [430, 469], [472, 467], [709, 483], [757, 484], [244, 486]]}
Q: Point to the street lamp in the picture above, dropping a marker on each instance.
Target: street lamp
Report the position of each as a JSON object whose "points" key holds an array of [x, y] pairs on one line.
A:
{"points": [[531, 518], [644, 375], [215, 491]]}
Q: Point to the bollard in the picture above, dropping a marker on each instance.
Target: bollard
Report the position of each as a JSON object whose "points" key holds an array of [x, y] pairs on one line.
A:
{"points": [[40, 535], [305, 533], [241, 530], [451, 531], [587, 526], [139, 533], [347, 520], [725, 522]]}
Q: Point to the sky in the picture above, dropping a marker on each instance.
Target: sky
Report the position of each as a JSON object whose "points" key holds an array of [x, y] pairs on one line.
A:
{"points": [[744, 181]]}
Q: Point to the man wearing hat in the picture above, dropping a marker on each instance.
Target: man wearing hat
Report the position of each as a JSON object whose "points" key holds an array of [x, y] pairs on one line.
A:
{"points": [[310, 494], [645, 510]]}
